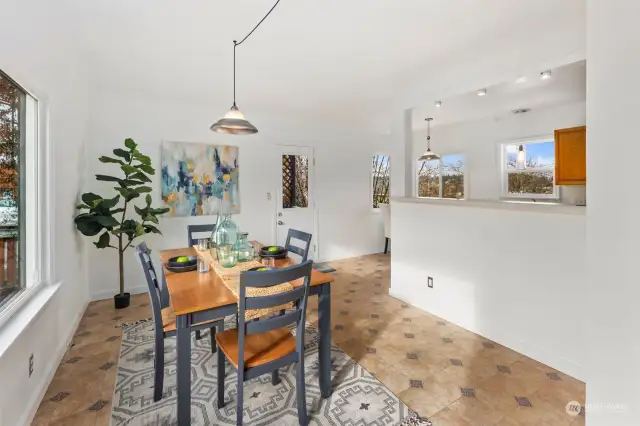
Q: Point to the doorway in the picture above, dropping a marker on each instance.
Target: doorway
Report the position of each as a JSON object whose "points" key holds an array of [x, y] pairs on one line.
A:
{"points": [[296, 204]]}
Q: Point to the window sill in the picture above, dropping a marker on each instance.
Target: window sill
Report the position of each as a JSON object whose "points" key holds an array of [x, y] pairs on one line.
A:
{"points": [[22, 312]]}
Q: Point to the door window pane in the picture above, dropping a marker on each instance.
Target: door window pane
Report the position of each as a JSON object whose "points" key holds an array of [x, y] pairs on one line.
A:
{"points": [[295, 181], [12, 100], [380, 173]]}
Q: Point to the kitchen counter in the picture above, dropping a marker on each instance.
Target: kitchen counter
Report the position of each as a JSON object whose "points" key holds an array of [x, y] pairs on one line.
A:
{"points": [[526, 206]]}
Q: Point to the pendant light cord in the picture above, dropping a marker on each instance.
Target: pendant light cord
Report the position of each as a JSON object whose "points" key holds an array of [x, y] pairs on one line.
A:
{"points": [[236, 44]]}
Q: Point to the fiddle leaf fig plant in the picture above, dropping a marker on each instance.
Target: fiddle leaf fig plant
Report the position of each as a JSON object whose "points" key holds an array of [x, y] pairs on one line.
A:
{"points": [[107, 217]]}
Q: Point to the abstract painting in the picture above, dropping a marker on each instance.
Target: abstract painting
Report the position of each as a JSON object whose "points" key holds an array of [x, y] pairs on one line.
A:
{"points": [[199, 179]]}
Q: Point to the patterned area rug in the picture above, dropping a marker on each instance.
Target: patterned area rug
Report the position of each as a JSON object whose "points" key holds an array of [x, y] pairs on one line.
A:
{"points": [[357, 399]]}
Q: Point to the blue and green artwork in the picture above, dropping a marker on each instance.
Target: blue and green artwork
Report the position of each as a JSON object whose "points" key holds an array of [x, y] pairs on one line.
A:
{"points": [[198, 178]]}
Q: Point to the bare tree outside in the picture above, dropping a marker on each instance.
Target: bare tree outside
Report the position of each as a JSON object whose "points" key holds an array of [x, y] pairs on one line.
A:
{"points": [[381, 180], [429, 178]]}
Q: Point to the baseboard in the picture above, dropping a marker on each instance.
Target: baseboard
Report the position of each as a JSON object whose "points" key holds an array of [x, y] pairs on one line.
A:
{"points": [[541, 355], [51, 369], [103, 295]]}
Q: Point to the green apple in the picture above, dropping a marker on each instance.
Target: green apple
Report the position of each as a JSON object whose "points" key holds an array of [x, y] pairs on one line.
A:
{"points": [[272, 249], [262, 269], [182, 259]]}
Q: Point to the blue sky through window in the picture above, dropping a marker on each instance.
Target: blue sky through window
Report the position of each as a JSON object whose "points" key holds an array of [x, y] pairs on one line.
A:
{"points": [[542, 153]]}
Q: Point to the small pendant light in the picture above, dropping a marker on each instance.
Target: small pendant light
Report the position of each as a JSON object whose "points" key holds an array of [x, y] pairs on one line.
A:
{"points": [[233, 122], [428, 155], [521, 158]]}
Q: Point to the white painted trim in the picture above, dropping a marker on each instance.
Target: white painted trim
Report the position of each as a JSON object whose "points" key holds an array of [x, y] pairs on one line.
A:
{"points": [[51, 368], [108, 294], [539, 354]]}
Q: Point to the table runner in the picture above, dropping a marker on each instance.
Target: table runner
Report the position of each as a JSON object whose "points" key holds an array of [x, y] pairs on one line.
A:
{"points": [[231, 278]]}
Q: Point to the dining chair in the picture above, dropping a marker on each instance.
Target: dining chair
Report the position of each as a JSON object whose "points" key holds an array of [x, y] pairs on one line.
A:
{"points": [[385, 209], [164, 319], [193, 240], [259, 347], [197, 229], [303, 252]]}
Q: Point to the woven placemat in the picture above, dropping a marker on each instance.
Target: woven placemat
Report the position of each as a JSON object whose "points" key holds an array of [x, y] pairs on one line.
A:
{"points": [[231, 278]]}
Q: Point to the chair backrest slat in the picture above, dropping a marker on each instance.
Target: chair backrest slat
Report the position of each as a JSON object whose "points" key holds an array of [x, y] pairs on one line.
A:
{"points": [[154, 288], [195, 229], [263, 279], [277, 299], [264, 325], [303, 252]]}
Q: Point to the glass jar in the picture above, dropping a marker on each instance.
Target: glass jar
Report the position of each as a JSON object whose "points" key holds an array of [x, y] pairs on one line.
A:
{"points": [[213, 239], [243, 248], [227, 256]]}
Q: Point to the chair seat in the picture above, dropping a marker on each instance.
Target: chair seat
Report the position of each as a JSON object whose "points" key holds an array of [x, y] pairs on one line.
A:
{"points": [[169, 320], [258, 348]]}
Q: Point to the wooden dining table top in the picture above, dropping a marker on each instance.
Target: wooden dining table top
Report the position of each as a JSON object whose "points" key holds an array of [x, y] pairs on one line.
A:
{"points": [[195, 291]]}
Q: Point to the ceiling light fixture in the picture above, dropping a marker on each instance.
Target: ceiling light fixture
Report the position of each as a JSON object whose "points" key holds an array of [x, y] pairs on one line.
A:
{"points": [[482, 92], [233, 122], [545, 75], [438, 104], [428, 155]]}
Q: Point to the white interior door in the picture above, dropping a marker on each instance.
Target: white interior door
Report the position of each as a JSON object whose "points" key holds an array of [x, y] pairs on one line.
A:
{"points": [[296, 205]]}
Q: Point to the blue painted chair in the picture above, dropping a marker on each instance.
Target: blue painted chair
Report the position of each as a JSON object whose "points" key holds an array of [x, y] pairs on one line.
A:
{"points": [[199, 229], [303, 251], [259, 347], [164, 319]]}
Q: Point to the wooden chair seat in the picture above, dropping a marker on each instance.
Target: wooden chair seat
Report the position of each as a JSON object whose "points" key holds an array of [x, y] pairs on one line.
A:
{"points": [[169, 320], [258, 348]]}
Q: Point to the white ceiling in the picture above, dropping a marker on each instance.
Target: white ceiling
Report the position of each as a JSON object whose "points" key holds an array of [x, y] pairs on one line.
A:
{"points": [[567, 85], [309, 57]]}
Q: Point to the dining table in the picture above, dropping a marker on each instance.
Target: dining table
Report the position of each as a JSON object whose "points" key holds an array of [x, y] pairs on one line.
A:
{"points": [[198, 297]]}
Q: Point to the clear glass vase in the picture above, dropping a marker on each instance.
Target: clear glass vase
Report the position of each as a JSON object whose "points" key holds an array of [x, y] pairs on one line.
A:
{"points": [[243, 248]]}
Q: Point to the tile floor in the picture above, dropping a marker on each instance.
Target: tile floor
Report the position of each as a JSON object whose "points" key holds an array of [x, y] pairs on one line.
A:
{"points": [[442, 371]]}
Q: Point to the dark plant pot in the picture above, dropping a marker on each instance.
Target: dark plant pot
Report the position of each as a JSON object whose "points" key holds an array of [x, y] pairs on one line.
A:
{"points": [[121, 301]]}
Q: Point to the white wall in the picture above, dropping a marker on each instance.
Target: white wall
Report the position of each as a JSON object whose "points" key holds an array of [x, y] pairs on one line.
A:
{"points": [[513, 276], [613, 230], [480, 141], [39, 51], [347, 225]]}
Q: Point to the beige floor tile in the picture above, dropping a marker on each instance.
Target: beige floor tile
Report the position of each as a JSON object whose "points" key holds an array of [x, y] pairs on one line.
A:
{"points": [[449, 417]]}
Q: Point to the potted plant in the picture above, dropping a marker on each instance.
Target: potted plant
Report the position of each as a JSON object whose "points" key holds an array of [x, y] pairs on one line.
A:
{"points": [[108, 216]]}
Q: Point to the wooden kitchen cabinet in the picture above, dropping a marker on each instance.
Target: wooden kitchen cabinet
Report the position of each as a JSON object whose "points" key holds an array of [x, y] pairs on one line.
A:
{"points": [[571, 156]]}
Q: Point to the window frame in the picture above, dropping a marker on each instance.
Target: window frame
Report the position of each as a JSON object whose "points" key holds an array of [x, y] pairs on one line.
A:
{"points": [[505, 171], [371, 190], [465, 182], [37, 183]]}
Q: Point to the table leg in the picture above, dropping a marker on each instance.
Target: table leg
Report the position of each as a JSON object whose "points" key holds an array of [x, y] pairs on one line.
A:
{"points": [[183, 337], [324, 350]]}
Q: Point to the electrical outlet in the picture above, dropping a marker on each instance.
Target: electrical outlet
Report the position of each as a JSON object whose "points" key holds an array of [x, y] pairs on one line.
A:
{"points": [[430, 282], [30, 365]]}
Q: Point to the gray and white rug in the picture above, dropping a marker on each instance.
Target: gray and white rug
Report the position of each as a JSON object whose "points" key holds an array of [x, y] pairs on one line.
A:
{"points": [[357, 398]]}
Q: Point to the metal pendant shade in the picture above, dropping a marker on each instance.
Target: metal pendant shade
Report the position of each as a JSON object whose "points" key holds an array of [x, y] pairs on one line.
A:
{"points": [[234, 123], [429, 155]]}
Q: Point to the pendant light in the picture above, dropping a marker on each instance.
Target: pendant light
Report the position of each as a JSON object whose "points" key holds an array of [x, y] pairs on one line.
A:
{"points": [[428, 155], [521, 158], [233, 122]]}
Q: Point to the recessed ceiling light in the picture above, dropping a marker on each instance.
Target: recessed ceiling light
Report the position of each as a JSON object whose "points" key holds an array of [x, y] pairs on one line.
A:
{"points": [[438, 104], [545, 75], [482, 92], [521, 80]]}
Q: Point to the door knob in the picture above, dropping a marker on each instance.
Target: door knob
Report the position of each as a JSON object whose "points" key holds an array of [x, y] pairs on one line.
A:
{"points": [[280, 222], [280, 214]]}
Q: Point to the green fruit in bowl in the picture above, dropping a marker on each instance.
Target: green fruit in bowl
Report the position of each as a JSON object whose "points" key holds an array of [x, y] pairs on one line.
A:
{"points": [[182, 259], [262, 269], [272, 249]]}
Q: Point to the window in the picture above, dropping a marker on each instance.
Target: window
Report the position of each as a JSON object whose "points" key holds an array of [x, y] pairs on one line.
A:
{"points": [[295, 181], [18, 140], [535, 179], [380, 180], [443, 178]]}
